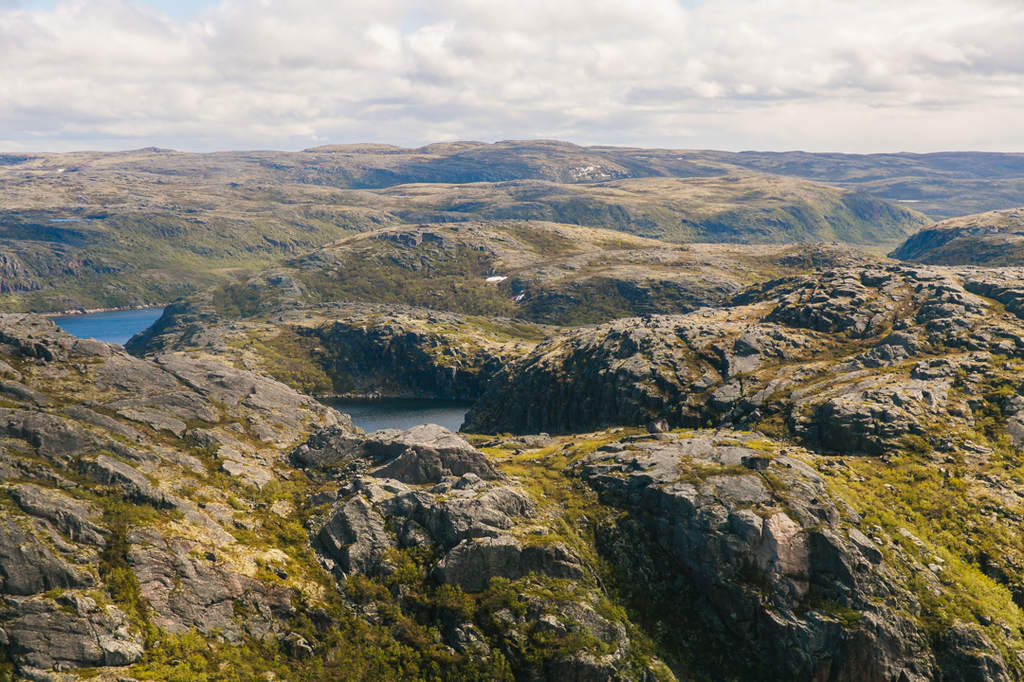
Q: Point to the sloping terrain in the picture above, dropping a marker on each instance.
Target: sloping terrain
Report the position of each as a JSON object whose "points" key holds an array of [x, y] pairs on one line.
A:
{"points": [[736, 208], [991, 239], [910, 378], [177, 519], [85, 229], [410, 312]]}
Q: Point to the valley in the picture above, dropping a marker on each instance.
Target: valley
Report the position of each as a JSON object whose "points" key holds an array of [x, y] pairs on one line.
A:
{"points": [[715, 434]]}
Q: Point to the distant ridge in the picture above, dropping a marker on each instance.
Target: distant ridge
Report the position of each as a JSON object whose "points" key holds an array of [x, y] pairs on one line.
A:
{"points": [[994, 239]]}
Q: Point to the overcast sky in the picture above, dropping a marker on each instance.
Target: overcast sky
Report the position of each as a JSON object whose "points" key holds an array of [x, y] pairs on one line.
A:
{"points": [[818, 75]]}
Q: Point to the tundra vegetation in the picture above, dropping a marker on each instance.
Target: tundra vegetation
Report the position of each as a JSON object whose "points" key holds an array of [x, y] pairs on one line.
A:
{"points": [[705, 446]]}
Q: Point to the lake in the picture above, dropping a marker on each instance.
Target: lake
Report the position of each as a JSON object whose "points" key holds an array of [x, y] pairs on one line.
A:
{"points": [[113, 327], [371, 415], [403, 413]]}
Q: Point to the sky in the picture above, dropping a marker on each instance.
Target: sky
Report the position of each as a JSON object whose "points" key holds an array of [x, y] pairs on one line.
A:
{"points": [[857, 76]]}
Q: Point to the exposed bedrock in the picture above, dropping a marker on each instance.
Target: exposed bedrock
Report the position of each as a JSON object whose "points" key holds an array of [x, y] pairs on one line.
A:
{"points": [[775, 569], [853, 360]]}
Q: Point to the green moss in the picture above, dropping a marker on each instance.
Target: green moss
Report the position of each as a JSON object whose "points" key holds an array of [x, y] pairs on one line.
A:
{"points": [[292, 360], [696, 473], [442, 279], [7, 672], [543, 241], [849, 617], [238, 300], [121, 582]]}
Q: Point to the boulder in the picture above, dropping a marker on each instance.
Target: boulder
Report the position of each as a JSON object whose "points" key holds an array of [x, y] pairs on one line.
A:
{"points": [[473, 563], [355, 536], [28, 566], [329, 447], [67, 515], [422, 454], [42, 636], [426, 453]]}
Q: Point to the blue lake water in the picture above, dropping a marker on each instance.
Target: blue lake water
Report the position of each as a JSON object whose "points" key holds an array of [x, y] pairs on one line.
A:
{"points": [[370, 415], [402, 413], [113, 327]]}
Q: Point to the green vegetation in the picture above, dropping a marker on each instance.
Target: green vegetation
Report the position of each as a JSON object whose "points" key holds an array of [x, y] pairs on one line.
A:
{"points": [[239, 300], [938, 508], [7, 672], [449, 279], [149, 228], [544, 242], [291, 359], [352, 651]]}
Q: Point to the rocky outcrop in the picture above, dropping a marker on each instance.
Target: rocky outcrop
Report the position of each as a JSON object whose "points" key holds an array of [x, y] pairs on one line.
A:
{"points": [[409, 352], [776, 567], [422, 454], [473, 533], [160, 494], [472, 564], [632, 372], [189, 587], [799, 353], [27, 564], [450, 494], [70, 517], [72, 632], [355, 537], [985, 239], [99, 496]]}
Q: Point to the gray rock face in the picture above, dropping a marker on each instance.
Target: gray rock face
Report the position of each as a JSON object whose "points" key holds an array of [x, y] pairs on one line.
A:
{"points": [[328, 447], [84, 414], [266, 397], [67, 515], [21, 392], [41, 636], [422, 454], [469, 524], [719, 531], [473, 563], [632, 372], [355, 536], [189, 591], [27, 566], [50, 541], [428, 453], [774, 356], [468, 512], [54, 438], [969, 655], [137, 487], [469, 519]]}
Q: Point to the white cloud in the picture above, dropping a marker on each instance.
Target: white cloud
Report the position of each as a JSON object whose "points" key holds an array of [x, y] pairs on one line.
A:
{"points": [[862, 75]]}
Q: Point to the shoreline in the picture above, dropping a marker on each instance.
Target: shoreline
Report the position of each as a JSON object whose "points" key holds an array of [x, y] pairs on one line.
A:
{"points": [[90, 311], [381, 398]]}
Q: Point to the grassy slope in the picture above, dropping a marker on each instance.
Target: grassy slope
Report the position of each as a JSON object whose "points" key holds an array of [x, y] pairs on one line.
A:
{"points": [[164, 223], [992, 239]]}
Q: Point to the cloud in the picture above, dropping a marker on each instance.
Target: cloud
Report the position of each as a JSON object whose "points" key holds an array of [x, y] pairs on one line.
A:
{"points": [[732, 74]]}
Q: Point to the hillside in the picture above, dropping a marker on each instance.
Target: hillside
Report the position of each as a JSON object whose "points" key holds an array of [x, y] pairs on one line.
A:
{"points": [[87, 229], [989, 239], [179, 519], [409, 311]]}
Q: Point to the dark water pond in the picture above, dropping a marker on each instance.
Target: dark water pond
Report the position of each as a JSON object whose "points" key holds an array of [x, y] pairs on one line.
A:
{"points": [[113, 327], [402, 413], [371, 415]]}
